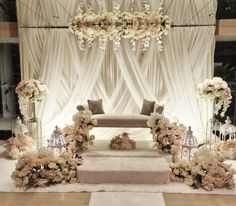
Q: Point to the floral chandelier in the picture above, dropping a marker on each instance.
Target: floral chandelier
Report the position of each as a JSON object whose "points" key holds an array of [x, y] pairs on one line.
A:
{"points": [[133, 25]]}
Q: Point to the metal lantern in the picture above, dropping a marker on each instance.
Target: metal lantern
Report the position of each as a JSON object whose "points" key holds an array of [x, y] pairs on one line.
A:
{"points": [[189, 144], [227, 129], [57, 140]]}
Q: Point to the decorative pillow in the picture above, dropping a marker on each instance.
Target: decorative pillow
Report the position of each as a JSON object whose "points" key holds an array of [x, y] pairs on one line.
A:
{"points": [[80, 108], [148, 107], [159, 109], [95, 106]]}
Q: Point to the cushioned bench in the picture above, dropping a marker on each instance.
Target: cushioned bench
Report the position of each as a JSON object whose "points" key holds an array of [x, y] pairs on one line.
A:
{"points": [[122, 120]]}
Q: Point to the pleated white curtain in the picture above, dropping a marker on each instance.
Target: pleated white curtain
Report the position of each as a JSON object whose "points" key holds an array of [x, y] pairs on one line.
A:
{"points": [[124, 78]]}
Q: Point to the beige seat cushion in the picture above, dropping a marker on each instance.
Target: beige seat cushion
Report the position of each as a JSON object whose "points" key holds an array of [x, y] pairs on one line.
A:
{"points": [[121, 120]]}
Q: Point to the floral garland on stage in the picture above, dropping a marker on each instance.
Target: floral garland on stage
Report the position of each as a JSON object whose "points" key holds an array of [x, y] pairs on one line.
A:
{"points": [[226, 149], [206, 170], [217, 90], [30, 91], [42, 168], [166, 135], [77, 136]]}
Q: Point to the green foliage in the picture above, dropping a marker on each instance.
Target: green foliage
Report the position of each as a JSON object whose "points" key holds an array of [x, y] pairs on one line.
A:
{"points": [[226, 9], [228, 73]]}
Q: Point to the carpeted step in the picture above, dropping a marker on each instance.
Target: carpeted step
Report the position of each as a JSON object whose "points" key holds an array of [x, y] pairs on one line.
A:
{"points": [[101, 148], [124, 170]]}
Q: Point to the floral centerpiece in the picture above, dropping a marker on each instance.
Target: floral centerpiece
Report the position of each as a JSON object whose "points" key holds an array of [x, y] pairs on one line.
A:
{"points": [[206, 170], [42, 168], [122, 142], [218, 91], [226, 149], [30, 91], [166, 135], [77, 136]]}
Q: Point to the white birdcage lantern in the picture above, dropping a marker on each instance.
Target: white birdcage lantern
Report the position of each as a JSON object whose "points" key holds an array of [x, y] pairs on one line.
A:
{"points": [[227, 129], [189, 144], [57, 140]]}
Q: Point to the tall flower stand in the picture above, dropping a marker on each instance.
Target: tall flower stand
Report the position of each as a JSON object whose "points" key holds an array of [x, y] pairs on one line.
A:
{"points": [[210, 127], [34, 126], [218, 91], [35, 131]]}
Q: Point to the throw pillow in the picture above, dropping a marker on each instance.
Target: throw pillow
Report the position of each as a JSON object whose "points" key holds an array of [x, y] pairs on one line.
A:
{"points": [[80, 108], [148, 107], [159, 109], [95, 106]]}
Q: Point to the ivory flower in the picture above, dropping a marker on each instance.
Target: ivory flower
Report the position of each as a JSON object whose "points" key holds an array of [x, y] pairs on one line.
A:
{"points": [[40, 169], [204, 170], [216, 89]]}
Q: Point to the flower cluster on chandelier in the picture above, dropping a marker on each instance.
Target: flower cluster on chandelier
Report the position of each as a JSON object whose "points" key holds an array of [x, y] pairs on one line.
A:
{"points": [[133, 25]]}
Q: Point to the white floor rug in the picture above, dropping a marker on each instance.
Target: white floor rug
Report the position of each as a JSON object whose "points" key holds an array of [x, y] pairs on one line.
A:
{"points": [[124, 170], [7, 185], [126, 199]]}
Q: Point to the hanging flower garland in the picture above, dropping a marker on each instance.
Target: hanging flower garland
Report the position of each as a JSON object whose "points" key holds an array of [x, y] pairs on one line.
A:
{"points": [[115, 25]]}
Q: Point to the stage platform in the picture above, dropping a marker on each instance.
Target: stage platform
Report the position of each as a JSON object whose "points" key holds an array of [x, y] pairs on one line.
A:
{"points": [[141, 166]]}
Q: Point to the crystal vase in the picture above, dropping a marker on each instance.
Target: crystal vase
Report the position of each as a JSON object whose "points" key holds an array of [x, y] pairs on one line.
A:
{"points": [[34, 118], [212, 125]]}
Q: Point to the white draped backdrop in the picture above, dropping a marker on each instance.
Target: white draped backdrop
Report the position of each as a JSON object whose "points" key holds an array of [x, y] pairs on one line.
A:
{"points": [[124, 78]]}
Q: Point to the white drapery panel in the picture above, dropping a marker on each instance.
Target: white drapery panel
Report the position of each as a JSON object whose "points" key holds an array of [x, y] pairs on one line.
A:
{"points": [[124, 78], [184, 65], [58, 12]]}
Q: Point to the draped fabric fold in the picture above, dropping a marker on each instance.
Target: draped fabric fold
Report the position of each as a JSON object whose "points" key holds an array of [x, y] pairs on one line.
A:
{"points": [[123, 78]]}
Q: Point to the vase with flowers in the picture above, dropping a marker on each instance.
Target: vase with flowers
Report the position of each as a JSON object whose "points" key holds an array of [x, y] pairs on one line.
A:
{"points": [[30, 91]]}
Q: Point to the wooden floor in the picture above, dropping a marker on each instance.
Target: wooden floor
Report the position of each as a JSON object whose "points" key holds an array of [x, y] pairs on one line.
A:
{"points": [[82, 199], [199, 200]]}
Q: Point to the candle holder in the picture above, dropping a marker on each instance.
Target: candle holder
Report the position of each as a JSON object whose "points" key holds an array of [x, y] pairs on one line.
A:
{"points": [[57, 140], [189, 144]]}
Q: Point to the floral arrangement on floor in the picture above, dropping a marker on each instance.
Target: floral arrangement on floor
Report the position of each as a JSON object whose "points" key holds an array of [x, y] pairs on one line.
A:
{"points": [[21, 144], [122, 142], [30, 91], [18, 146], [226, 149], [206, 170], [77, 136], [167, 136], [218, 91], [42, 168]]}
